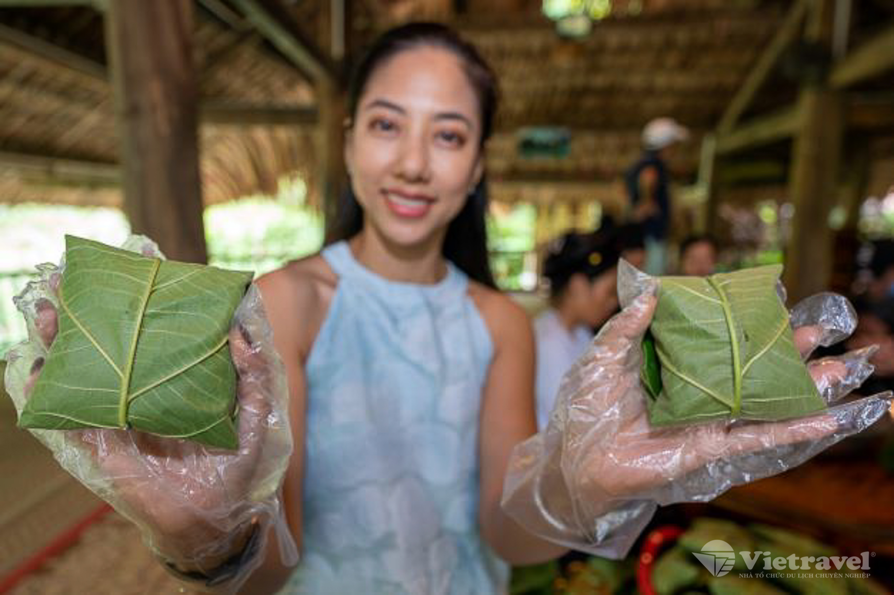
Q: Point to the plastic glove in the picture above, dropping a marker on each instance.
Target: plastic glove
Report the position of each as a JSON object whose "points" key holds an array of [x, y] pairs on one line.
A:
{"points": [[190, 501], [593, 478]]}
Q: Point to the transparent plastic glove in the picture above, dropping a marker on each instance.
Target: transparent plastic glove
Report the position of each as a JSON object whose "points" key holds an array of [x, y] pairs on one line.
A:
{"points": [[593, 478], [191, 502]]}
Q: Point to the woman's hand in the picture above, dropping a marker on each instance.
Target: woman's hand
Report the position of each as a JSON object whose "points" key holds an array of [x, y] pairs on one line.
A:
{"points": [[193, 501], [595, 476], [620, 455]]}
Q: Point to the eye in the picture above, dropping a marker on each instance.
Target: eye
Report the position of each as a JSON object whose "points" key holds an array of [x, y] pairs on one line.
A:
{"points": [[451, 138], [382, 125]]}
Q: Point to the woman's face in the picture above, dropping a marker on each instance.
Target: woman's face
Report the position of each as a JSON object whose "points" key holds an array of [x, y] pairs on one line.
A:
{"points": [[594, 301], [699, 259], [413, 149]]}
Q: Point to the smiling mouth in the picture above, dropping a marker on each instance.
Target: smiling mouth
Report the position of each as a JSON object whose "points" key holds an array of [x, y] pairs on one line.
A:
{"points": [[407, 206]]}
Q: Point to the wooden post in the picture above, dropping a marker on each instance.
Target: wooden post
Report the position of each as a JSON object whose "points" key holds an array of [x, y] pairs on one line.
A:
{"points": [[707, 218], [330, 164], [813, 178], [150, 49], [541, 232], [846, 241]]}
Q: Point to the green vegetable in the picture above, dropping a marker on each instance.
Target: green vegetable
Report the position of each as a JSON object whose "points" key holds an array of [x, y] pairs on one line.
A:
{"points": [[789, 542], [725, 350], [533, 579], [142, 344], [675, 570], [707, 529]]}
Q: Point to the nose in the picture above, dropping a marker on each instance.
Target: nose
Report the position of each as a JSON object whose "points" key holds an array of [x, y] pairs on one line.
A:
{"points": [[413, 160]]}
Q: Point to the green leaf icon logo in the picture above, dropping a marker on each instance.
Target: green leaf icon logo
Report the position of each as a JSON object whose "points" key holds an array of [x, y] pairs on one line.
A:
{"points": [[717, 556]]}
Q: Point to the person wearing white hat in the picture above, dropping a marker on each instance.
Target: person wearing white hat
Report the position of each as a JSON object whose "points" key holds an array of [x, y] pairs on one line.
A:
{"points": [[648, 186]]}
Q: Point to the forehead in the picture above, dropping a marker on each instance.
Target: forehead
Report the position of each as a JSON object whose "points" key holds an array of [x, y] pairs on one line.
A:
{"points": [[424, 78], [700, 248]]}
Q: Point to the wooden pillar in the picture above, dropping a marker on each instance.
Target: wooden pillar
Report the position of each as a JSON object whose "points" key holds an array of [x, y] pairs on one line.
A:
{"points": [[708, 220], [813, 179], [150, 49], [542, 232], [846, 241], [330, 163], [331, 101]]}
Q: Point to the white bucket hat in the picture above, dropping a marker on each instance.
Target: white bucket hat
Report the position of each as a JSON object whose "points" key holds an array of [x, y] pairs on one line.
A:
{"points": [[661, 132]]}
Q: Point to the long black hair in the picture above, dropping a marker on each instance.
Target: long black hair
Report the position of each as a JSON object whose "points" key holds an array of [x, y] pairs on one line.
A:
{"points": [[465, 243]]}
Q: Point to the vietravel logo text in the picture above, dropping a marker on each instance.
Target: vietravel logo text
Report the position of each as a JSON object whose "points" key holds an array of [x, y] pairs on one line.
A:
{"points": [[719, 558]]}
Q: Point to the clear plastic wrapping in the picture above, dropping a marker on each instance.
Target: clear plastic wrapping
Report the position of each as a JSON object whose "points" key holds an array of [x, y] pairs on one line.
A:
{"points": [[190, 501], [594, 477]]}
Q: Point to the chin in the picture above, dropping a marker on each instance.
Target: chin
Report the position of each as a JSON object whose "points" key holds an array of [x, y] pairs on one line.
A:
{"points": [[407, 236]]}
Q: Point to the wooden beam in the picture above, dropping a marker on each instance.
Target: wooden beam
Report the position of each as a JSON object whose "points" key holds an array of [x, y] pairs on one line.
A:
{"points": [[767, 129], [557, 179], [271, 21], [52, 53], [41, 3], [757, 171], [156, 94], [870, 115], [78, 171], [223, 12], [212, 113], [871, 59], [783, 38]]}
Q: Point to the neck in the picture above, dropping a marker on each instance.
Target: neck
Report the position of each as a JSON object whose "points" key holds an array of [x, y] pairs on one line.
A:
{"points": [[408, 264]]}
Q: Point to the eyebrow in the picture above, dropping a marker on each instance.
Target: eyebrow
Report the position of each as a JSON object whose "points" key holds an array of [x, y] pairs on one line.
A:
{"points": [[384, 103]]}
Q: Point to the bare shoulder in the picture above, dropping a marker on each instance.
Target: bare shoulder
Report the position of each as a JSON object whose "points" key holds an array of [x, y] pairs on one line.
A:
{"points": [[506, 320], [296, 299]]}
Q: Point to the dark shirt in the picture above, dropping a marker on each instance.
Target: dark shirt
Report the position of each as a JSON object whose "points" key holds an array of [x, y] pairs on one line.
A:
{"points": [[656, 226]]}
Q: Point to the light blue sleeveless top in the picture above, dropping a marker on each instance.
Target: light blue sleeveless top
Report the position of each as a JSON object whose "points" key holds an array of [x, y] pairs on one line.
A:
{"points": [[395, 380]]}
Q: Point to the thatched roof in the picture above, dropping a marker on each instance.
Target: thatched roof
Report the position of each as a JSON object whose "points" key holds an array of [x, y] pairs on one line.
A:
{"points": [[678, 58]]}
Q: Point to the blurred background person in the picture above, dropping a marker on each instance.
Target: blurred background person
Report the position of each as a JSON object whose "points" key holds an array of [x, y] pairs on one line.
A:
{"points": [[648, 188], [582, 273], [881, 268], [875, 326], [698, 256], [631, 243]]}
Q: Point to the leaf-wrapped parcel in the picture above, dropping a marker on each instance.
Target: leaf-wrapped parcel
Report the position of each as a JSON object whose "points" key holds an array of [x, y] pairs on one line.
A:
{"points": [[721, 347], [142, 344]]}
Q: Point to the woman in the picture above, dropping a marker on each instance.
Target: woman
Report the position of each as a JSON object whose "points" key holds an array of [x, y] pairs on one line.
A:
{"points": [[582, 272], [404, 349], [411, 380]]}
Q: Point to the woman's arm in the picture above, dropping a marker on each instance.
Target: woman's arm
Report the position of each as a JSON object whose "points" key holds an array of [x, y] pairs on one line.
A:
{"points": [[286, 293], [507, 418]]}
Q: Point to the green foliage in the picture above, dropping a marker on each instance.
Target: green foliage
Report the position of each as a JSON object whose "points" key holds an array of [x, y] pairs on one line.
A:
{"points": [[29, 235], [261, 233], [510, 237], [142, 344]]}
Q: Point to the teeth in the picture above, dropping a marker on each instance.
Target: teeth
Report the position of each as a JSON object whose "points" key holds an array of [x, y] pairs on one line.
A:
{"points": [[406, 202]]}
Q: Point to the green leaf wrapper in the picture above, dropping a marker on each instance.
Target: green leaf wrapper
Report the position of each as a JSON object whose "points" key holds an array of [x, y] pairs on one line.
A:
{"points": [[142, 344], [725, 351]]}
